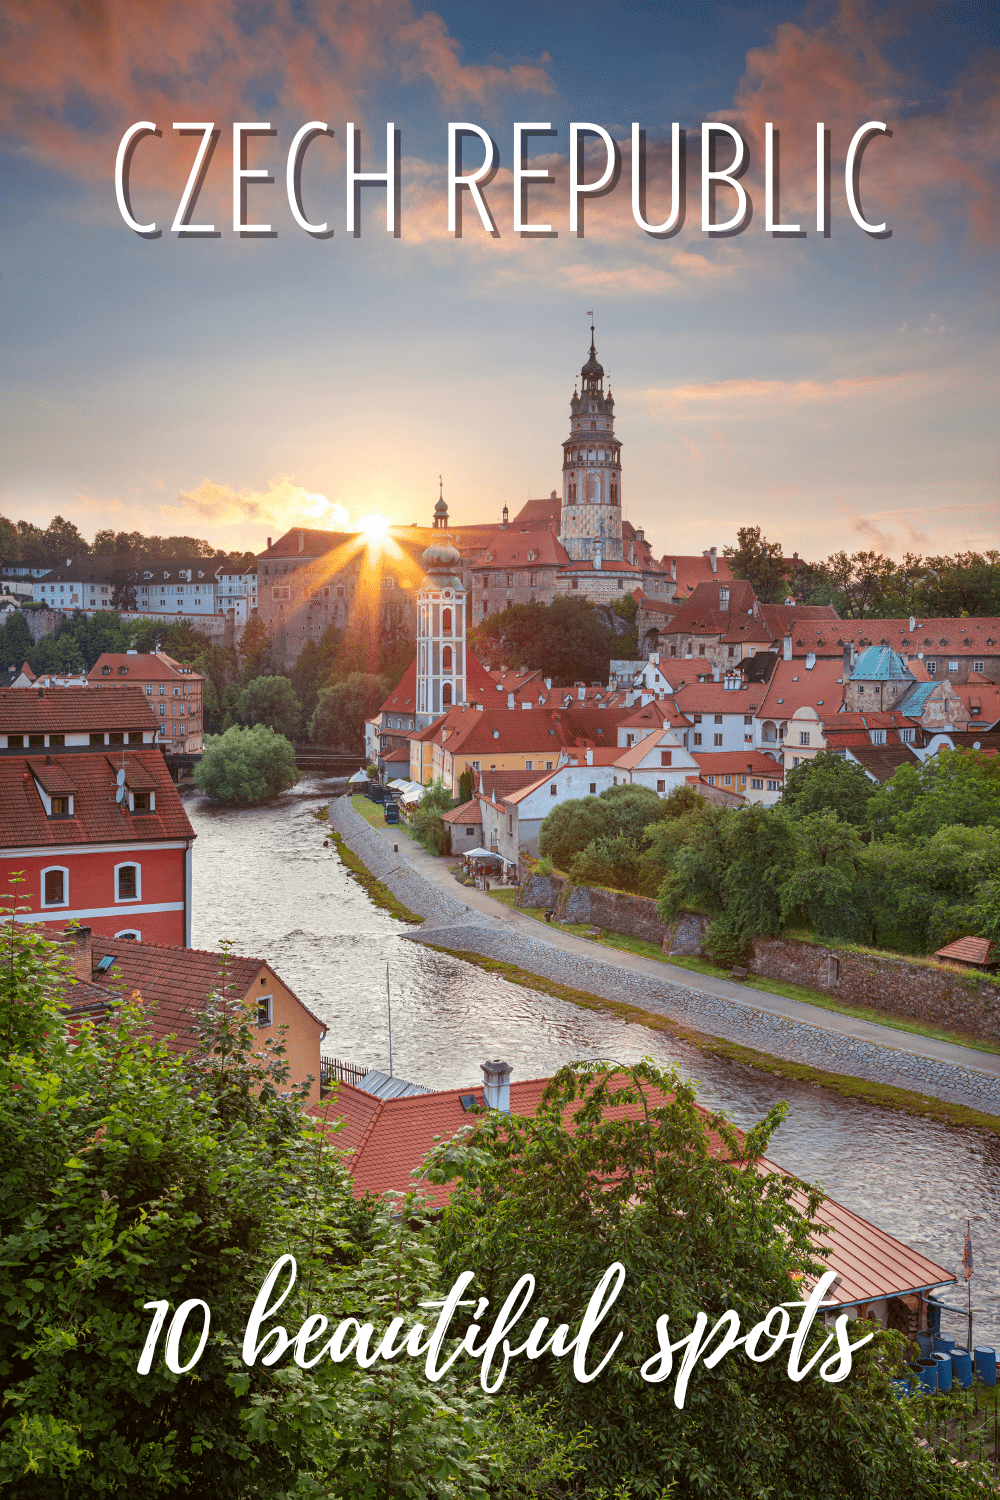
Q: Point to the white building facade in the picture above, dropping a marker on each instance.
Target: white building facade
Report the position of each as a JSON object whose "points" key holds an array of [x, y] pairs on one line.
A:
{"points": [[441, 611]]}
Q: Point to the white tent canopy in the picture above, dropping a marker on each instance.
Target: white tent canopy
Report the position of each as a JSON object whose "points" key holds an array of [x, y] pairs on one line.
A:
{"points": [[358, 776], [480, 854]]}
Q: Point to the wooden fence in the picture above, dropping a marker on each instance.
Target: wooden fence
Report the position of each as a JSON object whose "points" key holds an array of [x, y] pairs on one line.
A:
{"points": [[335, 1070]]}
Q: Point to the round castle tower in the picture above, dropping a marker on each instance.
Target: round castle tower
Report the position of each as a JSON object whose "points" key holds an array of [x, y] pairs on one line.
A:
{"points": [[440, 633], [592, 473]]}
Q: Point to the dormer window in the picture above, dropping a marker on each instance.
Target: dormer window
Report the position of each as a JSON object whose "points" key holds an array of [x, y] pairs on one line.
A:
{"points": [[105, 671]]}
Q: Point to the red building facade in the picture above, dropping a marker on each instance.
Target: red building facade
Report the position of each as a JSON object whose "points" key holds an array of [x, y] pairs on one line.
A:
{"points": [[71, 847]]}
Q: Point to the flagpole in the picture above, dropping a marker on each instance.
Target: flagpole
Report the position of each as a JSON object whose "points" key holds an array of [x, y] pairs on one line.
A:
{"points": [[968, 1283], [388, 1001]]}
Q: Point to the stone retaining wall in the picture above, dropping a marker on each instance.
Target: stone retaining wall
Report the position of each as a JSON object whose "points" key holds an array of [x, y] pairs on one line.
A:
{"points": [[631, 916], [914, 987]]}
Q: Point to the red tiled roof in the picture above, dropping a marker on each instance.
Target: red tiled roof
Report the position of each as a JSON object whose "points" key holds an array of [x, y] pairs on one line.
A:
{"points": [[400, 756], [522, 549], [96, 816], [469, 812], [532, 730], [967, 950], [538, 514], [791, 687], [503, 783], [403, 698], [694, 570], [173, 982], [715, 697], [737, 762], [882, 761], [389, 1138], [152, 666], [703, 613], [73, 709], [974, 635], [790, 619]]}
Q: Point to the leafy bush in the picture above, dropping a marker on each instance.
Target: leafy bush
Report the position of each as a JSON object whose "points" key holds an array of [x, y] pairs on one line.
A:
{"points": [[245, 766], [341, 710], [570, 827], [615, 862], [828, 783]]}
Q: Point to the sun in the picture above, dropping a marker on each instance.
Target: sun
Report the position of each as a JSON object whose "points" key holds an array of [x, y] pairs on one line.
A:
{"points": [[374, 527]]}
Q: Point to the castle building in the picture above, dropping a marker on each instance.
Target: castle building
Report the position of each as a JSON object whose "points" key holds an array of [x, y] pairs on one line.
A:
{"points": [[592, 470]]}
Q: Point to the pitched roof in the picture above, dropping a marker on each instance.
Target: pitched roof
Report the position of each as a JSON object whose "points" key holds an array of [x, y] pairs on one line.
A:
{"points": [[690, 571], [496, 785], [403, 698], [715, 697], [738, 762], [791, 686], [973, 635], [532, 730], [96, 818], [629, 759], [538, 514], [150, 666], [400, 756], [880, 664], [522, 549], [705, 613], [389, 1138], [173, 982], [967, 950], [469, 812], [72, 709], [881, 761]]}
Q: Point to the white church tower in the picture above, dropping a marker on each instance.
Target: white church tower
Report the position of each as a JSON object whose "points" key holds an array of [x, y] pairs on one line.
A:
{"points": [[441, 610], [591, 523]]}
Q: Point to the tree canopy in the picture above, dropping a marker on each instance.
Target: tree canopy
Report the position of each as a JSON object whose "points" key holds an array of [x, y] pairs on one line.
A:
{"points": [[245, 766], [829, 783], [271, 701], [566, 640], [341, 710]]}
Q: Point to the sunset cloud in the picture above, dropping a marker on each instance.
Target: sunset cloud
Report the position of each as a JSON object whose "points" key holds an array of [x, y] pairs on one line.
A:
{"points": [[282, 504]]}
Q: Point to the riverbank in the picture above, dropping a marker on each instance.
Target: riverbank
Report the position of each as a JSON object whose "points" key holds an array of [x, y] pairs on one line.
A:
{"points": [[919, 1075]]}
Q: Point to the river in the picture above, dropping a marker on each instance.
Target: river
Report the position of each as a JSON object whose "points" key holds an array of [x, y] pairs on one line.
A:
{"points": [[263, 879]]}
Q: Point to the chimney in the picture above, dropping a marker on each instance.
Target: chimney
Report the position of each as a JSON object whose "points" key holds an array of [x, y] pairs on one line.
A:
{"points": [[597, 558], [510, 700], [269, 544], [786, 654], [640, 534], [848, 659], [673, 569], [913, 621], [590, 757], [496, 1085], [548, 684], [581, 691], [713, 559], [76, 944], [41, 692], [810, 660], [302, 541]]}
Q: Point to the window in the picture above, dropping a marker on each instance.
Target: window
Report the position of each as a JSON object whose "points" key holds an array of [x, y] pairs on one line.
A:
{"points": [[757, 783], [281, 592], [661, 786], [265, 1010], [446, 695], [553, 789], [878, 736], [931, 667], [732, 651], [162, 690], [116, 739], [717, 741], [701, 650], [529, 765], [510, 822], [804, 737], [127, 882], [60, 807], [131, 934], [953, 666], [593, 788], [697, 739], [162, 706], [446, 659], [795, 760], [979, 666], [773, 786], [36, 739], [697, 718], [149, 690], [666, 757], [906, 735], [55, 886], [446, 622], [748, 718], [470, 833], [548, 767], [96, 739], [140, 802], [576, 583], [718, 718], [728, 780], [861, 687]]}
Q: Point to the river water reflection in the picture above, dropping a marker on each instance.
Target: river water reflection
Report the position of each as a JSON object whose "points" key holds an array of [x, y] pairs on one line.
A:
{"points": [[263, 879]]}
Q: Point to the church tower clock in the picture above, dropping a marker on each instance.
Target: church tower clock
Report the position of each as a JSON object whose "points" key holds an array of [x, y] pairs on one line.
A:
{"points": [[591, 523]]}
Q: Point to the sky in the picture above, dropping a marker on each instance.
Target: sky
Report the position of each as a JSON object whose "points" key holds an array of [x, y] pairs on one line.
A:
{"points": [[837, 390]]}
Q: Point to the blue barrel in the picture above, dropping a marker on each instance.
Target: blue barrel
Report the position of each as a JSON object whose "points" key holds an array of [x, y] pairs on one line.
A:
{"points": [[961, 1367], [986, 1363], [925, 1342], [927, 1373], [943, 1362], [943, 1345]]}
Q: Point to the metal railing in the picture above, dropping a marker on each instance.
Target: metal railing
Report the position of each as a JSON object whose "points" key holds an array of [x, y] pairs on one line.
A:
{"points": [[335, 1070]]}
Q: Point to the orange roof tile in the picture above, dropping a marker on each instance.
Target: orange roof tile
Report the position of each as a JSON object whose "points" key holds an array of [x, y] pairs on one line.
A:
{"points": [[967, 950], [96, 816], [74, 710]]}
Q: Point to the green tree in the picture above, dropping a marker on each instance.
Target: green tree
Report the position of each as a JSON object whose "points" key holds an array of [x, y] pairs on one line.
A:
{"points": [[133, 1173], [341, 710], [569, 828], [702, 1231], [465, 787], [633, 808], [254, 650], [313, 669], [15, 639], [567, 640], [955, 786], [617, 863], [271, 701], [828, 783], [245, 766], [827, 886], [760, 563]]}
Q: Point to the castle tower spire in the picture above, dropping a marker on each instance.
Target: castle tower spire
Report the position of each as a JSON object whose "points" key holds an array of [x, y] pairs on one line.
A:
{"points": [[592, 478]]}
